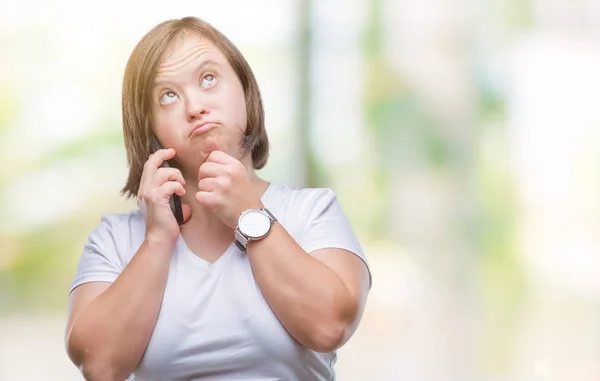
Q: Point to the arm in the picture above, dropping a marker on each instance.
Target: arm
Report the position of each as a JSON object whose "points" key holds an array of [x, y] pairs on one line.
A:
{"points": [[110, 324], [319, 298]]}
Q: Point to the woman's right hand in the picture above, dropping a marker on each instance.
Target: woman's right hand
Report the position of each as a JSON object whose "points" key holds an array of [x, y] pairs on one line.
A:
{"points": [[156, 187]]}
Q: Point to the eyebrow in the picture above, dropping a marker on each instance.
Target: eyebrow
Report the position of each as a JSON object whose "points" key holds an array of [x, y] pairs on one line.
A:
{"points": [[199, 68]]}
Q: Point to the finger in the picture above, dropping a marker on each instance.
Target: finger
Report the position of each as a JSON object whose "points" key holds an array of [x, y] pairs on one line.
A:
{"points": [[162, 193], [159, 157], [168, 174], [210, 170], [220, 157], [205, 198], [154, 161], [208, 184], [170, 187]]}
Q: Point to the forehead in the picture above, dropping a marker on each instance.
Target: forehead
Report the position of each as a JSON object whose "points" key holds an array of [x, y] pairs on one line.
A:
{"points": [[188, 48]]}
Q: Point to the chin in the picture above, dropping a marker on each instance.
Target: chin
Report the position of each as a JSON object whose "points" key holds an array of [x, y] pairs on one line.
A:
{"points": [[201, 148], [211, 146]]}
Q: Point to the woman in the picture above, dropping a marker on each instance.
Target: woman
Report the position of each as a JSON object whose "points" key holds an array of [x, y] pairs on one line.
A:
{"points": [[261, 282]]}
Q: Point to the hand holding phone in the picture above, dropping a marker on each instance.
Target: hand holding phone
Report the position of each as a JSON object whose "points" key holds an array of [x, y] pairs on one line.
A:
{"points": [[174, 200]]}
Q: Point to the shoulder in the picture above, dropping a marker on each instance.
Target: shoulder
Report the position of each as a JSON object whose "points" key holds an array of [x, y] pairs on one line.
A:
{"points": [[117, 227], [116, 236], [107, 249], [300, 198], [300, 208], [119, 221]]}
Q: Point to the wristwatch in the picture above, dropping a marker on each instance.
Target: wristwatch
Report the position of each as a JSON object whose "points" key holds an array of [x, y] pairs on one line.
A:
{"points": [[253, 224]]}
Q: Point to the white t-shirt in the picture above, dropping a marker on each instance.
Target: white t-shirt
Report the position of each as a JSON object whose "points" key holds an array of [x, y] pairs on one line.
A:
{"points": [[214, 323]]}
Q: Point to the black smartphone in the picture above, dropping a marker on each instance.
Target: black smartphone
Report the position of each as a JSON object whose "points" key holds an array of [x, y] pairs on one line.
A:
{"points": [[174, 200]]}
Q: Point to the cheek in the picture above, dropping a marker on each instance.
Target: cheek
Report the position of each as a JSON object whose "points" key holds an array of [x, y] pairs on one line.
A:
{"points": [[238, 110], [233, 102], [161, 125], [164, 120]]}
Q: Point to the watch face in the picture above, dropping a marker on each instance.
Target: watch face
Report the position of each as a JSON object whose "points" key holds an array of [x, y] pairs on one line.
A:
{"points": [[254, 223]]}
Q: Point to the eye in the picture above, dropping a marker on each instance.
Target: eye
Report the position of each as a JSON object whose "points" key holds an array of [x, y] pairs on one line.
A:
{"points": [[168, 97], [208, 81]]}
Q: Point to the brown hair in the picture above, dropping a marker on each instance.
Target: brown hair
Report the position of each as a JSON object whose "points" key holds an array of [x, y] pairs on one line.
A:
{"points": [[138, 80]]}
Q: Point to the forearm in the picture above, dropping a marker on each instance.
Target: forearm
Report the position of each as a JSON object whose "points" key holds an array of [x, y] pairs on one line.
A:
{"points": [[309, 298], [110, 335]]}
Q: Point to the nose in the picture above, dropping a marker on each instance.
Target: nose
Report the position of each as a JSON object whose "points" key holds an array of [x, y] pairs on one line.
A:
{"points": [[195, 105]]}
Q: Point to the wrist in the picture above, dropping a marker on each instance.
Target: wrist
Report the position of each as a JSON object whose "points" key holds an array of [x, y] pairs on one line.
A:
{"points": [[247, 206], [253, 225], [158, 241]]}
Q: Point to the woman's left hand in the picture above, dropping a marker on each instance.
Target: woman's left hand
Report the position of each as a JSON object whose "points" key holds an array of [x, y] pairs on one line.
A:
{"points": [[224, 188]]}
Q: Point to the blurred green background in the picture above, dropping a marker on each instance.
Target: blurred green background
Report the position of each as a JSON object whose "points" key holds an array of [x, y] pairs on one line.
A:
{"points": [[462, 140]]}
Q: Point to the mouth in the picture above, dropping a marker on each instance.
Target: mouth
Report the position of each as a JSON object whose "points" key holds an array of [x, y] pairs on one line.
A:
{"points": [[202, 128]]}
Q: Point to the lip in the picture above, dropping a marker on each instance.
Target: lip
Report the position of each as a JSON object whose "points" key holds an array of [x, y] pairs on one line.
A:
{"points": [[202, 128]]}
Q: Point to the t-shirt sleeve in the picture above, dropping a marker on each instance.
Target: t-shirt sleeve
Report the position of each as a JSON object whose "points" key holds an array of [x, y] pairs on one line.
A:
{"points": [[326, 226], [100, 261]]}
